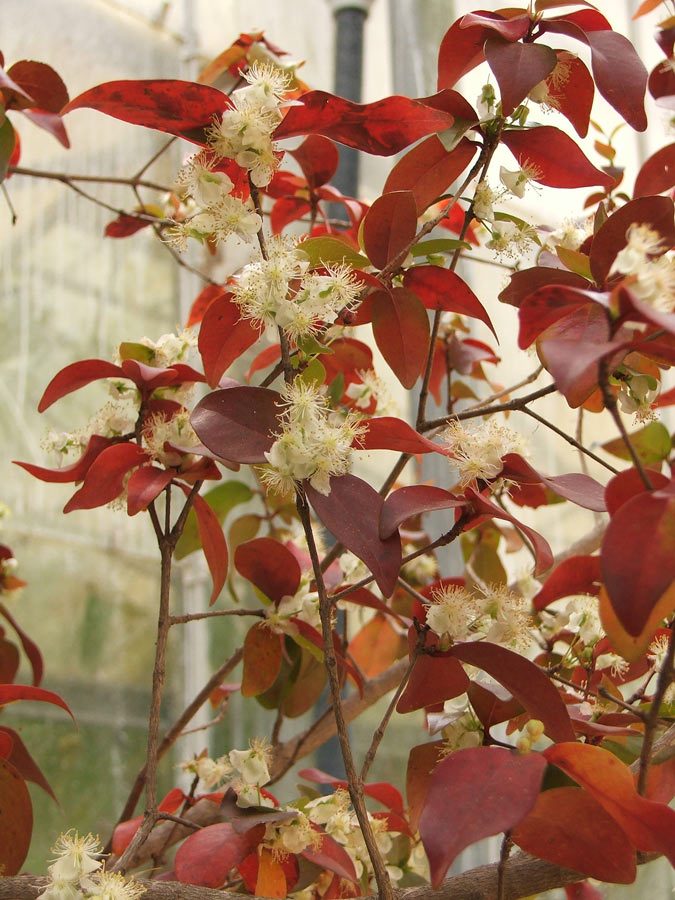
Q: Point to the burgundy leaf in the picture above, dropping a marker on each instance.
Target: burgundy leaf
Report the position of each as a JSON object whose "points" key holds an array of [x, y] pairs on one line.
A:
{"points": [[313, 636], [74, 472], [466, 784], [318, 158], [270, 566], [622, 487], [545, 306], [574, 575], [389, 227], [287, 210], [183, 108], [554, 158], [527, 281], [439, 288], [224, 335], [390, 433], [411, 501], [332, 856], [576, 487], [75, 376], [574, 98], [384, 127], [207, 856], [144, 486], [512, 29], [24, 763], [124, 226], [429, 169], [12, 693], [238, 423], [461, 51], [212, 540], [351, 512], [433, 679], [518, 67], [105, 477], [401, 331], [30, 648], [41, 85], [657, 173]]}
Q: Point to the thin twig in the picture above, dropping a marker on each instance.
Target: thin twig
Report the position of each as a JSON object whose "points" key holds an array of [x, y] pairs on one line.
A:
{"points": [[507, 843], [662, 684], [569, 439], [8, 201], [519, 403], [214, 613], [65, 177]]}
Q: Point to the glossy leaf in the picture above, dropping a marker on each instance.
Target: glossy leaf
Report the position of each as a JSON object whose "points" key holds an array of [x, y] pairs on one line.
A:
{"points": [[439, 288], [569, 828], [74, 472], [544, 307], [627, 484], [412, 501], [351, 512], [332, 856], [30, 648], [429, 169], [16, 819], [527, 281], [223, 337], [556, 159], [401, 331], [390, 433], [212, 541], [657, 173], [434, 679], [637, 560], [144, 486], [105, 477], [389, 227], [45, 86], [384, 127], [75, 376], [318, 158], [518, 67], [461, 51], [238, 423], [466, 784], [207, 856], [221, 499], [574, 575], [574, 98], [270, 566], [183, 108], [11, 693], [649, 825], [524, 680]]}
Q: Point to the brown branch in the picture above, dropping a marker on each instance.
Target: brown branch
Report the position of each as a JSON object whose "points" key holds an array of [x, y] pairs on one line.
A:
{"points": [[215, 613], [66, 177], [665, 677], [511, 405]]}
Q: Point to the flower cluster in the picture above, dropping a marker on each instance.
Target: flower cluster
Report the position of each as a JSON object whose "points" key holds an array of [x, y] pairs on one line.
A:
{"points": [[279, 292], [477, 451], [650, 270], [75, 873], [314, 442], [495, 614], [637, 394], [245, 770]]}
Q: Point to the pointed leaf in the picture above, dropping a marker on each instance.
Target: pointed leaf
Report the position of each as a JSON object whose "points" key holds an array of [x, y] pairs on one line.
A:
{"points": [[461, 51], [318, 158], [49, 122], [574, 575], [221, 499], [429, 169], [75, 376], [657, 174], [30, 648], [544, 307], [389, 227], [518, 67], [270, 566], [45, 86], [574, 98], [524, 680], [332, 856], [207, 856], [351, 512], [105, 477], [223, 337], [556, 160], [649, 825], [23, 762], [238, 423], [569, 828], [144, 486], [183, 108], [262, 660], [575, 487], [466, 784], [11, 693], [74, 472], [440, 288], [390, 433], [401, 331], [411, 501], [384, 127], [527, 281], [633, 647], [213, 541], [16, 820], [627, 484], [433, 680]]}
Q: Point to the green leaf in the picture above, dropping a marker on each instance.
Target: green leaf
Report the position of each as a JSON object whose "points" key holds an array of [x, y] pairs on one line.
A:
{"points": [[314, 373], [221, 499], [139, 352], [453, 135], [651, 443], [7, 141], [439, 245], [336, 389], [322, 250]]}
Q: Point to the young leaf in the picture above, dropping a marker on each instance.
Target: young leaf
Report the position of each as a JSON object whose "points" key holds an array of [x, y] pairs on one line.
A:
{"points": [[461, 51], [332, 856], [318, 158], [401, 331], [466, 784], [238, 423], [11, 693], [434, 679], [389, 227], [144, 486], [30, 648], [390, 433], [74, 472], [105, 477], [75, 376], [657, 174], [212, 540], [45, 86], [411, 501]]}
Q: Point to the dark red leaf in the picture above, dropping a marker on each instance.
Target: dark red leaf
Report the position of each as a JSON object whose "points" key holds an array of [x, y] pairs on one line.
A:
{"points": [[429, 169], [105, 477], [575, 487], [23, 762], [440, 288], [48, 122], [512, 28], [637, 560], [238, 423], [124, 226], [382, 791], [224, 335], [351, 512], [16, 823], [574, 575], [287, 210], [545, 306], [330, 855], [622, 487], [30, 648], [661, 83], [207, 856], [491, 709], [461, 51], [202, 302], [466, 784], [183, 108], [144, 486], [657, 173], [74, 472], [389, 227], [422, 760], [125, 831], [75, 376], [318, 158], [527, 281], [518, 67], [11, 693], [524, 680], [412, 501], [401, 331], [384, 127], [390, 433], [434, 679], [554, 158], [212, 540], [270, 566], [45, 86], [574, 98]]}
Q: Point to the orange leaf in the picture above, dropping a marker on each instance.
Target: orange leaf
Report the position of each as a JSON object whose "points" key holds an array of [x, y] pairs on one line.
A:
{"points": [[271, 879]]}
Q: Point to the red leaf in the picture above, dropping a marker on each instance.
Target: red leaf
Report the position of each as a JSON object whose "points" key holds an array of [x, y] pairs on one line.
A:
{"points": [[569, 828], [574, 98], [440, 288], [657, 173], [183, 108], [223, 337], [318, 158], [556, 160], [16, 823], [401, 331], [348, 357], [287, 210], [383, 128], [390, 433], [411, 501], [262, 659], [364, 597], [75, 376], [622, 487], [545, 306], [124, 226], [526, 282], [23, 762], [575, 487], [429, 169], [510, 28], [207, 856], [491, 709], [212, 540], [264, 359], [461, 51], [351, 512], [30, 648], [382, 791], [466, 784], [11, 693], [125, 831], [434, 679], [574, 575], [330, 855], [541, 547], [518, 67], [49, 122], [376, 646], [524, 680], [270, 566], [105, 477], [202, 302], [144, 486], [422, 760], [636, 557], [389, 227], [310, 633], [649, 825], [45, 86], [238, 423], [74, 472]]}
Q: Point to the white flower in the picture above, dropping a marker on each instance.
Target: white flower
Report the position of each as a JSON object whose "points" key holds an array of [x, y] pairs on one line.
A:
{"points": [[583, 618], [158, 431], [75, 856], [333, 813], [211, 772], [510, 238], [198, 180], [463, 733], [652, 273], [516, 182], [61, 889], [483, 200], [252, 764], [293, 835], [113, 886], [505, 619], [636, 396], [486, 102], [452, 611], [477, 451]]}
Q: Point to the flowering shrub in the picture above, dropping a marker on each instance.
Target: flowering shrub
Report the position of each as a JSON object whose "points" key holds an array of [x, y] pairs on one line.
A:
{"points": [[549, 698]]}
